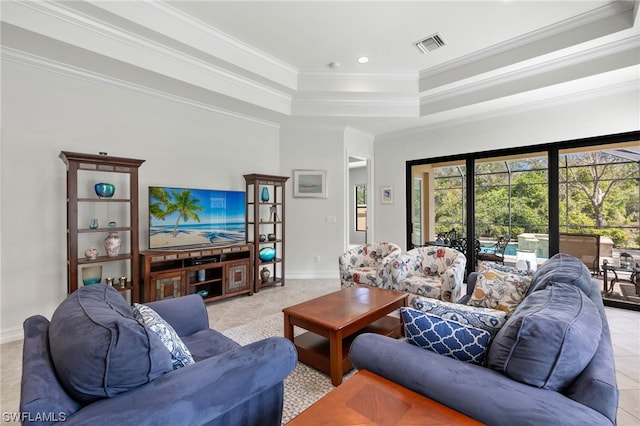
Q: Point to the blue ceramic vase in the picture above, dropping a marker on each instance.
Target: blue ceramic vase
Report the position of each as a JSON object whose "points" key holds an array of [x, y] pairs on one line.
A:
{"points": [[104, 190], [265, 194], [267, 254]]}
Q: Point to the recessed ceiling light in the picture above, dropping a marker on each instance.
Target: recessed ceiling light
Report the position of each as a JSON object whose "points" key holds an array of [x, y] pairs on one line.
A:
{"points": [[363, 60]]}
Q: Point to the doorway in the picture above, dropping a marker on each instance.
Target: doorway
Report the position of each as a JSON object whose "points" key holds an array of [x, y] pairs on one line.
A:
{"points": [[358, 196]]}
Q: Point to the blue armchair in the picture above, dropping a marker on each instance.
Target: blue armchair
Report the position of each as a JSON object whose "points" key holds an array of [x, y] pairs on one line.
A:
{"points": [[227, 384]]}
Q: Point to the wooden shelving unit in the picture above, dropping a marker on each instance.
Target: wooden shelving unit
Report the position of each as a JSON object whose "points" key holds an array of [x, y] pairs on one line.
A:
{"points": [[83, 171], [266, 218]]}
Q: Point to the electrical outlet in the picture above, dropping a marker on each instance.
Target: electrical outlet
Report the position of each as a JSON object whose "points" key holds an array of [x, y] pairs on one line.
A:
{"points": [[317, 258]]}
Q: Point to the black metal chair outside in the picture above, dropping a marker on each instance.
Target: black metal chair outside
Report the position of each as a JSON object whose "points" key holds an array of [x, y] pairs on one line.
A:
{"points": [[495, 253]]}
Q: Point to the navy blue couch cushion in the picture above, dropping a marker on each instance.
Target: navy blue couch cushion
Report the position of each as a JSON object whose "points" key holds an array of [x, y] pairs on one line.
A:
{"points": [[207, 343], [550, 338], [562, 268], [99, 349]]}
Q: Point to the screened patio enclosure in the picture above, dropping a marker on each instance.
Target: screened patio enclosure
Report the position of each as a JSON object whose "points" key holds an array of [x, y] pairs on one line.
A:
{"points": [[581, 196]]}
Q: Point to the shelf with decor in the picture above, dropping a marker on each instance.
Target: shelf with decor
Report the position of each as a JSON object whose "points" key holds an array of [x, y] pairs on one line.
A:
{"points": [[213, 273], [265, 198], [102, 189]]}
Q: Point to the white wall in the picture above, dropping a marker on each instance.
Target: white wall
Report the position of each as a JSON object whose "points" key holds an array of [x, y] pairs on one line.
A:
{"points": [[44, 113], [309, 232], [575, 118]]}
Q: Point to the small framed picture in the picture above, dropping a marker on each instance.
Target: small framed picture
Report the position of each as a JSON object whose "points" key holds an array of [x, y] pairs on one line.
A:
{"points": [[310, 183], [386, 195]]}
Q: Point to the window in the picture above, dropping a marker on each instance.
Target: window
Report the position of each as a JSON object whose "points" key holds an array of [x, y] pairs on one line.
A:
{"points": [[599, 194], [361, 207], [450, 199], [537, 195]]}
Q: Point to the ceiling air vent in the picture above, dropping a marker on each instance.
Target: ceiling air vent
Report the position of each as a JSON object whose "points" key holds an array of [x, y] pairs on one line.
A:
{"points": [[430, 43]]}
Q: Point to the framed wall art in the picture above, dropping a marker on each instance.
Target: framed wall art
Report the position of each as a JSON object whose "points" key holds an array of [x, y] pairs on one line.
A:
{"points": [[386, 195], [310, 183]]}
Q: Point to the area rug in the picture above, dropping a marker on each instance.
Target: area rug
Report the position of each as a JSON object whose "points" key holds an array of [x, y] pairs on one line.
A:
{"points": [[305, 385]]}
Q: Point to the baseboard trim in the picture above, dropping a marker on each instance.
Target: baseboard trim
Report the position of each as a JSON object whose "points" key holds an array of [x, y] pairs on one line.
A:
{"points": [[11, 335], [306, 275]]}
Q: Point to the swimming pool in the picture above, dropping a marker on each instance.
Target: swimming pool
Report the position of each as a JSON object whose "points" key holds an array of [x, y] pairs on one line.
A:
{"points": [[510, 250]]}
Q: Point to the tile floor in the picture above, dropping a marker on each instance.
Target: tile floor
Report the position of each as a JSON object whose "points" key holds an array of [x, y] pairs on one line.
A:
{"points": [[624, 325]]}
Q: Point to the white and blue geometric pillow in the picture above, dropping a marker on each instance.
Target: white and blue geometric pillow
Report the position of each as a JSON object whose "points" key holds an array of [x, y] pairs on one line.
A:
{"points": [[180, 355], [445, 337], [487, 319]]}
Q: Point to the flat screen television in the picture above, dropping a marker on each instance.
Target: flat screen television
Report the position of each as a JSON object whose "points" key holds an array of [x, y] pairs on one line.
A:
{"points": [[184, 218]]}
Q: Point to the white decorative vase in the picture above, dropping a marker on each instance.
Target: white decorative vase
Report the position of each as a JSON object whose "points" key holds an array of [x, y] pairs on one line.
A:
{"points": [[112, 244]]}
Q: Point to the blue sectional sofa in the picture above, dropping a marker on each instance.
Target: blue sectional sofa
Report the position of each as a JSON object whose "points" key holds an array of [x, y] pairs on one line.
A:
{"points": [[551, 363], [95, 364]]}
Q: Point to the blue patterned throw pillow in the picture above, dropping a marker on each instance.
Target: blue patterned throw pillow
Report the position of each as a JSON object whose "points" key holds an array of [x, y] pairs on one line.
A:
{"points": [[445, 337], [487, 319], [180, 355]]}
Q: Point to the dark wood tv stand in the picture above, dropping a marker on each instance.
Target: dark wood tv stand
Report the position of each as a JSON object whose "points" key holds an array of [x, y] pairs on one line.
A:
{"points": [[220, 271]]}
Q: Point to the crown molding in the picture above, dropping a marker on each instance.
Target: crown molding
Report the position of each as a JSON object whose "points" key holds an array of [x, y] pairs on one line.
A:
{"points": [[629, 44], [320, 127], [328, 81], [524, 42], [438, 121], [100, 28], [49, 65], [146, 53], [164, 9], [365, 105], [358, 99], [330, 75], [333, 128]]}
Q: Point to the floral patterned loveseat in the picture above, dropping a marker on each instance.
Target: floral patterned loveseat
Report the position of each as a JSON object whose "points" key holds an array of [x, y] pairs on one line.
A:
{"points": [[368, 264], [431, 271]]}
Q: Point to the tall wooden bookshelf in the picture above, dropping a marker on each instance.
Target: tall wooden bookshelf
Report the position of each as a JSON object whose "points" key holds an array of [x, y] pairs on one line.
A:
{"points": [[83, 171], [266, 225]]}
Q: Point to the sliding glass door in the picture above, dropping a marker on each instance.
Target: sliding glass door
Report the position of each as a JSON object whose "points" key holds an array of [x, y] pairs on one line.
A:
{"points": [[512, 206], [599, 214], [579, 197]]}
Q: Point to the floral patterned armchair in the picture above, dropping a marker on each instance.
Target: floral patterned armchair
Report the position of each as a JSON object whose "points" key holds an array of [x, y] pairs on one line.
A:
{"points": [[369, 264], [431, 271]]}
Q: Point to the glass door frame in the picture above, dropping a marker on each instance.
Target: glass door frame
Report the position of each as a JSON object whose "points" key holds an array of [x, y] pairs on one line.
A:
{"points": [[553, 151]]}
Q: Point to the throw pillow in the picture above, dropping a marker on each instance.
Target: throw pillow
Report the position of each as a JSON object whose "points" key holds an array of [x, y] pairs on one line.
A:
{"points": [[563, 268], [550, 338], [499, 289], [487, 319], [98, 349], [180, 355], [445, 337]]}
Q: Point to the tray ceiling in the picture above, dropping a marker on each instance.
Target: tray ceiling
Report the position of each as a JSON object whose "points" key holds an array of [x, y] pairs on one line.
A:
{"points": [[269, 60]]}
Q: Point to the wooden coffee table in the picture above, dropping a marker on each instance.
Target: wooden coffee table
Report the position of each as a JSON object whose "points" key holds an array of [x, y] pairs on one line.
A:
{"points": [[369, 399], [334, 320]]}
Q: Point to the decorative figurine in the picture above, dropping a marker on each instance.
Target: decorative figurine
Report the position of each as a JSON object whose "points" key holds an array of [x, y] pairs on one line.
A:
{"points": [[91, 253], [264, 274]]}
